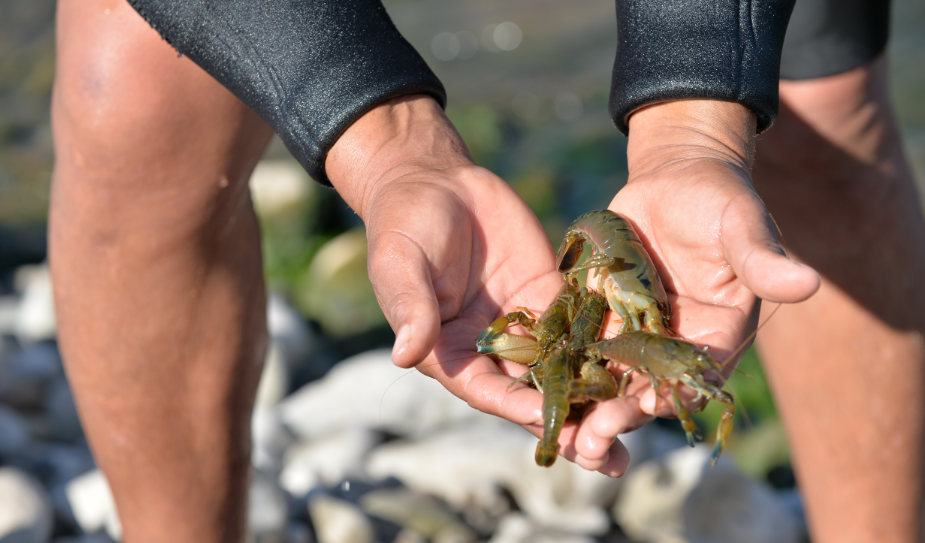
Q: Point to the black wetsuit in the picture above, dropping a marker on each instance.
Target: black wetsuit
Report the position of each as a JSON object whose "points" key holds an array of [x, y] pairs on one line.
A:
{"points": [[310, 68]]}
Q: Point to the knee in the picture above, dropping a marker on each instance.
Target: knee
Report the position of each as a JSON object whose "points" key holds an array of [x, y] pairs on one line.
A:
{"points": [[124, 96]]}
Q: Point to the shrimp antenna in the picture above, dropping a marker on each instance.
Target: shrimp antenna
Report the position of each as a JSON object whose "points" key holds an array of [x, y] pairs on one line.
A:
{"points": [[382, 399], [751, 336]]}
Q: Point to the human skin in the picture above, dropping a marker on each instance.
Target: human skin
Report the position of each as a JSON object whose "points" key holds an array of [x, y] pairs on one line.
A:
{"points": [[391, 165], [155, 259], [847, 367]]}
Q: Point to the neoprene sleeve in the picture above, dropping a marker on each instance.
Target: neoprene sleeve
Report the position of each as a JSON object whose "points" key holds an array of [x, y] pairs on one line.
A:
{"points": [[828, 37], [681, 49], [309, 68]]}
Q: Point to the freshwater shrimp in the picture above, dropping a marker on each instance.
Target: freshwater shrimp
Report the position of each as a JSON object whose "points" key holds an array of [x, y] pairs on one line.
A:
{"points": [[558, 372], [555, 373], [595, 382], [548, 329], [628, 277], [668, 360]]}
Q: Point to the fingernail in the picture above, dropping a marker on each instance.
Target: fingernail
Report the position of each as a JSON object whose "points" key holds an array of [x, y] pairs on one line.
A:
{"points": [[401, 341]]}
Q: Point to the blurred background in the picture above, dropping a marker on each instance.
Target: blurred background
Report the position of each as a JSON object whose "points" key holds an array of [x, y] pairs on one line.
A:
{"points": [[528, 83]]}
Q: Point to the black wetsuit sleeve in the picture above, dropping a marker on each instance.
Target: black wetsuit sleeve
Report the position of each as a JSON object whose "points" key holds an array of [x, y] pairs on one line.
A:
{"points": [[309, 68], [685, 49]]}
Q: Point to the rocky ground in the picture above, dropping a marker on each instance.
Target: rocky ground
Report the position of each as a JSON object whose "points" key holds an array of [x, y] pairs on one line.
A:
{"points": [[366, 453]]}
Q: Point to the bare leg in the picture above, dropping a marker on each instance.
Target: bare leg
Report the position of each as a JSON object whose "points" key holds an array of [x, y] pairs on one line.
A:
{"points": [[848, 365], [155, 257]]}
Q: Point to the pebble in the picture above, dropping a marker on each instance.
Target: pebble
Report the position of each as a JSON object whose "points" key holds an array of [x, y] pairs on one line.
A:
{"points": [[267, 508], [418, 513], [91, 501], [289, 330], [35, 316], [369, 423], [25, 509], [464, 466], [680, 498], [369, 391], [279, 185], [274, 379], [270, 439], [515, 528], [328, 461], [339, 521]]}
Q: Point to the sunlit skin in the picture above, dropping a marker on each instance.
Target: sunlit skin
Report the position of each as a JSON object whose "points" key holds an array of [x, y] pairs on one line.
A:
{"points": [[434, 229], [154, 252]]}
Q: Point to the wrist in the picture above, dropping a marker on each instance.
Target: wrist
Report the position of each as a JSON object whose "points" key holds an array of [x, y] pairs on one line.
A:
{"points": [[396, 138], [691, 129]]}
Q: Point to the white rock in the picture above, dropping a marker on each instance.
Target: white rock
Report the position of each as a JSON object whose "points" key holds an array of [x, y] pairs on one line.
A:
{"points": [[113, 525], [35, 319], [274, 379], [515, 528], [9, 310], [266, 509], [91, 501], [369, 391], [14, 433], [305, 359], [338, 521], [465, 466], [728, 507], [679, 498], [417, 512], [286, 327], [279, 185], [25, 509], [409, 536], [328, 461], [270, 439]]}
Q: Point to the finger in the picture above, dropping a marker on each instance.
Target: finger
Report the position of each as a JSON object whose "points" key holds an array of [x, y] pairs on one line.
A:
{"points": [[758, 260], [400, 275], [609, 456], [618, 460], [617, 416]]}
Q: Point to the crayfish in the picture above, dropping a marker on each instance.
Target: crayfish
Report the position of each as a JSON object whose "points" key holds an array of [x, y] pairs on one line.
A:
{"points": [[565, 356]]}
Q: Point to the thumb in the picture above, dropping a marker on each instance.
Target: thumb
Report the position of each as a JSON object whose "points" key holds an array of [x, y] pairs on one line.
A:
{"points": [[759, 261], [401, 277]]}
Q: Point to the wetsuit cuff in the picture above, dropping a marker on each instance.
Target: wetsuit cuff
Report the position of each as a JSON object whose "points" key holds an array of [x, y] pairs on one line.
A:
{"points": [[308, 68], [698, 49]]}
